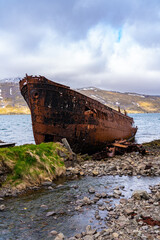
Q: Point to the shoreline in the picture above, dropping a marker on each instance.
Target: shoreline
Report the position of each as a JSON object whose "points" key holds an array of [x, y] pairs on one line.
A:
{"points": [[128, 164], [28, 113], [133, 218]]}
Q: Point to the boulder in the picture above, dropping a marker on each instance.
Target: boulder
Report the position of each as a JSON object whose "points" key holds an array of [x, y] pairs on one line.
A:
{"points": [[91, 190], [60, 236], [140, 194]]}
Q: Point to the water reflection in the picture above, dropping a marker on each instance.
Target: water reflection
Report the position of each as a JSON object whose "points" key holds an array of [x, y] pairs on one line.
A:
{"points": [[26, 218]]}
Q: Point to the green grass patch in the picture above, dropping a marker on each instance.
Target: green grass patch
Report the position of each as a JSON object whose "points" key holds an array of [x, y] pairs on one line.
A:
{"points": [[33, 164]]}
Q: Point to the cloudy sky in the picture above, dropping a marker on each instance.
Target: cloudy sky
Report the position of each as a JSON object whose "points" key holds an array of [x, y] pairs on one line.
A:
{"points": [[110, 44]]}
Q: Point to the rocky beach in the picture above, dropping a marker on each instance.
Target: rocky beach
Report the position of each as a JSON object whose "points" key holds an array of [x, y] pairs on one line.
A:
{"points": [[134, 217]]}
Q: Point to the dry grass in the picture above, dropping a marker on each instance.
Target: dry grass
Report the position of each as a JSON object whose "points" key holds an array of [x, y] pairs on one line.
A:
{"points": [[147, 106], [32, 164], [14, 110]]}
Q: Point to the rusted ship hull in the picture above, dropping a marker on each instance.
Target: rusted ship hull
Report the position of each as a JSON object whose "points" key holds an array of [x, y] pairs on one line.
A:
{"points": [[60, 112]]}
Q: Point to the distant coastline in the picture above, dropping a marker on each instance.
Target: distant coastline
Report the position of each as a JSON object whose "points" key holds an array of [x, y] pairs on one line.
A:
{"points": [[26, 111], [12, 102], [14, 111]]}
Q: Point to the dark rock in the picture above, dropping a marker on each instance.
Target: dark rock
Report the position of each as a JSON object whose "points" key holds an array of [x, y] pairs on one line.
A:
{"points": [[47, 183], [91, 190]]}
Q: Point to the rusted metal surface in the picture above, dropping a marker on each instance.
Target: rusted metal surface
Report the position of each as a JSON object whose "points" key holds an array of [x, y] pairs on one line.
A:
{"points": [[150, 221], [60, 112], [122, 147], [117, 148]]}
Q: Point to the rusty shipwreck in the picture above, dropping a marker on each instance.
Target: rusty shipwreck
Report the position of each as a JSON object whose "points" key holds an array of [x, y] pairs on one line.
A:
{"points": [[59, 112]]}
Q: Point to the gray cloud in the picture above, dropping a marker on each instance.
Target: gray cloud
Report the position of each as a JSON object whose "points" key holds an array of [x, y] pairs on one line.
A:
{"points": [[109, 44], [75, 17]]}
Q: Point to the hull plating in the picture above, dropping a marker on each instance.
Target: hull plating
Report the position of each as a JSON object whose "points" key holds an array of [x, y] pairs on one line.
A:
{"points": [[60, 112]]}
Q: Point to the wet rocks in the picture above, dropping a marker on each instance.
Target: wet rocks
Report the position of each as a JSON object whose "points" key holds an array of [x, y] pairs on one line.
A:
{"points": [[84, 201], [60, 236], [134, 218], [90, 231], [91, 190], [47, 183], [50, 214], [140, 194], [2, 207], [53, 232], [133, 164], [137, 216]]}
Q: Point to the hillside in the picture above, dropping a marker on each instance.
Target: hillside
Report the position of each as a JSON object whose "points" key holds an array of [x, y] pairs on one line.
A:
{"points": [[12, 102], [131, 102]]}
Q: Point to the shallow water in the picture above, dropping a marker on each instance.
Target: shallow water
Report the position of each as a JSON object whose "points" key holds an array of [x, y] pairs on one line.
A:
{"points": [[25, 216]]}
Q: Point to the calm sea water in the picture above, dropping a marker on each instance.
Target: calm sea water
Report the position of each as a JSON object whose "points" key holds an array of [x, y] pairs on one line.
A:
{"points": [[18, 128]]}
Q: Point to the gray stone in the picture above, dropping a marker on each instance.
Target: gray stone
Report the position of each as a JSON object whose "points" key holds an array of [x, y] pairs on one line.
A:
{"points": [[140, 194], [86, 201], [50, 214], [88, 237], [91, 190], [78, 235], [47, 183], [60, 236], [53, 232], [118, 192], [90, 231], [115, 235], [106, 232], [103, 195], [95, 172], [128, 211], [98, 195], [96, 235], [95, 199], [2, 207]]}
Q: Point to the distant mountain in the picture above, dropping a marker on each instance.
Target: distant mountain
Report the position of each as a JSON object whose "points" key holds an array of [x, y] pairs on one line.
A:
{"points": [[10, 80], [11, 100], [131, 102]]}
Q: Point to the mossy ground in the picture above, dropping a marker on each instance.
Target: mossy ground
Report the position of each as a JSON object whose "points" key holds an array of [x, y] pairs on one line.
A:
{"points": [[32, 164], [155, 143]]}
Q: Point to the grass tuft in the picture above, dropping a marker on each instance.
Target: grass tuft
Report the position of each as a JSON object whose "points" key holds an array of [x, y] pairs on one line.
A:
{"points": [[33, 164]]}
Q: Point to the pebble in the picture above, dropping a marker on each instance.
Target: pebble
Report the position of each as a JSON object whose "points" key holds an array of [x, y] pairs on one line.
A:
{"points": [[53, 232], [50, 214], [60, 236], [91, 190], [47, 183], [125, 220], [2, 207]]}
